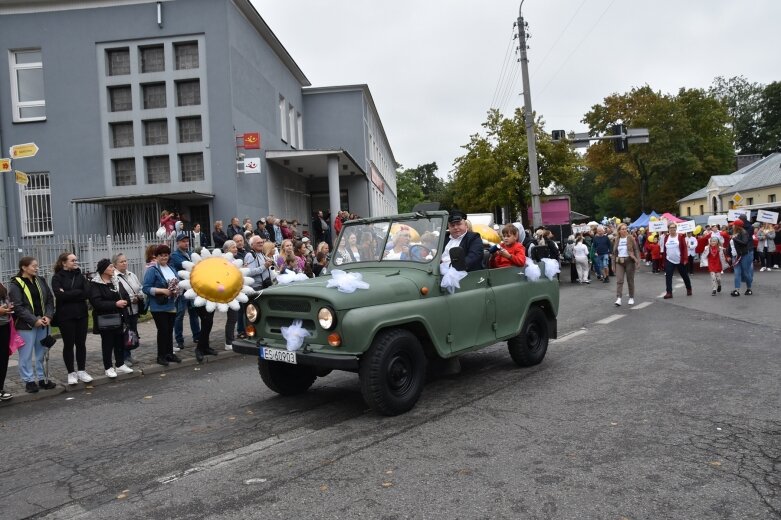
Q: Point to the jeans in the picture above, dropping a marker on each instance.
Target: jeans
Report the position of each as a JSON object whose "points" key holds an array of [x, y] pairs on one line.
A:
{"points": [[744, 270], [669, 269], [183, 304], [74, 333], [31, 354], [601, 263]]}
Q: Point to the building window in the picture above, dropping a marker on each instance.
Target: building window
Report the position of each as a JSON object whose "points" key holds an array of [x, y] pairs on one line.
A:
{"points": [[186, 55], [190, 129], [120, 98], [118, 62], [283, 118], [155, 132], [36, 205], [771, 197], [191, 166], [29, 103], [152, 59], [121, 135], [731, 205], [291, 120], [300, 123], [188, 93], [154, 95], [688, 211], [158, 170], [702, 209], [750, 201], [124, 172]]}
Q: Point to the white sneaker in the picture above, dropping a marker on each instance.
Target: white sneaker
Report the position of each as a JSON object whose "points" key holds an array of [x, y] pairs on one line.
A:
{"points": [[228, 346], [775, 266], [761, 269], [83, 376], [72, 378], [111, 373], [631, 301], [124, 369], [177, 349], [618, 302]]}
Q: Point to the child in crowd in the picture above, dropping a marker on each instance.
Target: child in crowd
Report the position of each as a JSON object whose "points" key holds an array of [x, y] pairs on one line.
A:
{"points": [[656, 253], [713, 258]]}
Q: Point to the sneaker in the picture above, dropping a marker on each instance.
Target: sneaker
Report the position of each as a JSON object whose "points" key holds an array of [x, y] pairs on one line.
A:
{"points": [[124, 369], [162, 361], [129, 362], [631, 301], [5, 396], [713, 293], [47, 385], [177, 349], [606, 279], [228, 346], [734, 293], [775, 266], [718, 289], [83, 376], [618, 302], [73, 378], [111, 373], [748, 292], [30, 387], [174, 358]]}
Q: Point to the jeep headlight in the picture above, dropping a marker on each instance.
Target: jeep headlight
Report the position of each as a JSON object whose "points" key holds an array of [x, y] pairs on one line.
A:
{"points": [[252, 313], [326, 318]]}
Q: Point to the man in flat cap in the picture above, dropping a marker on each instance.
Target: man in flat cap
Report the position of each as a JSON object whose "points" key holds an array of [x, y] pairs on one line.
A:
{"points": [[459, 235]]}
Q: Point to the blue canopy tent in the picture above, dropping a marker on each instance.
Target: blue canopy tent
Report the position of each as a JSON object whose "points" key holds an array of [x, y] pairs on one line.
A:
{"points": [[642, 220]]}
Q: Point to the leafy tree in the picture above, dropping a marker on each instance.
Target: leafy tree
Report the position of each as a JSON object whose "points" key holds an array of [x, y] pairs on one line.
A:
{"points": [[408, 192], [425, 176], [771, 118], [689, 142], [744, 103]]}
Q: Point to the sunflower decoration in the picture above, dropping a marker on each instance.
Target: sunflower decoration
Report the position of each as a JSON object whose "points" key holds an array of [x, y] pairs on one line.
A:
{"points": [[216, 281]]}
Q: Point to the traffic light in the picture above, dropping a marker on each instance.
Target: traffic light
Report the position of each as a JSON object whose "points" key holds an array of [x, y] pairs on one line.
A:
{"points": [[558, 135], [620, 145]]}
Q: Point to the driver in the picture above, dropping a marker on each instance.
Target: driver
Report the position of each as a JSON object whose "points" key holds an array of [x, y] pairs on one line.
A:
{"points": [[459, 235]]}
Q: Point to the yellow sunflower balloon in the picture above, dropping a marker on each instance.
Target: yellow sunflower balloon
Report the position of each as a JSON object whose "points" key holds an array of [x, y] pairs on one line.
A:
{"points": [[216, 281], [488, 233]]}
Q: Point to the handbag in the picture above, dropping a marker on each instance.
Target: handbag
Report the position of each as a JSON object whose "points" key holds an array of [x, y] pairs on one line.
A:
{"points": [[130, 339], [17, 341], [49, 340], [108, 322]]}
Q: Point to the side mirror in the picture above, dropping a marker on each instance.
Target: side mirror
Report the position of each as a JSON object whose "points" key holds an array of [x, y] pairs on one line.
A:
{"points": [[458, 259]]}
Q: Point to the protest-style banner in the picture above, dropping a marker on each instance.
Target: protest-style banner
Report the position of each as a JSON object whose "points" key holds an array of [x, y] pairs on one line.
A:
{"points": [[686, 227], [657, 226], [763, 215], [733, 214]]}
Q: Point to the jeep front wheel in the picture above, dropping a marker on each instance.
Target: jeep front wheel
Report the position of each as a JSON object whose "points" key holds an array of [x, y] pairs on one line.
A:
{"points": [[286, 379], [392, 372], [528, 348]]}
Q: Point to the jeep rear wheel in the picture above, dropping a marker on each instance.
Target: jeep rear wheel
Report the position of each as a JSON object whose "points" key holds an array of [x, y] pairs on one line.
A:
{"points": [[392, 372], [529, 347], [284, 378]]}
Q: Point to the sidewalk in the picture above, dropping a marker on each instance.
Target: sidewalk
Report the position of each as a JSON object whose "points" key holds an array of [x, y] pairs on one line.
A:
{"points": [[145, 361]]}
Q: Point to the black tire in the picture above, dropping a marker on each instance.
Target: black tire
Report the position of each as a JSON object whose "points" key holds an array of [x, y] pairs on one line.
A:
{"points": [[529, 347], [393, 372], [284, 378]]}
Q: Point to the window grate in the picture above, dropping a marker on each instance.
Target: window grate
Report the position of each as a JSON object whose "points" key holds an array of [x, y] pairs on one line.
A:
{"points": [[118, 62], [154, 95], [190, 130], [188, 93], [158, 170], [191, 166], [120, 98], [152, 59], [155, 132], [36, 205], [186, 55], [122, 134], [124, 172]]}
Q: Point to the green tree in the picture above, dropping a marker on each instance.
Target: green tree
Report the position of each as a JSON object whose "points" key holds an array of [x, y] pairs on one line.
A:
{"points": [[770, 120], [744, 105], [408, 191], [689, 142], [425, 176]]}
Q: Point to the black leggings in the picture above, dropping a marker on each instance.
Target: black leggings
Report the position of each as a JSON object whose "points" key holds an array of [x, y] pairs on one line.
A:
{"points": [[164, 321], [74, 332], [5, 353], [111, 342], [207, 321]]}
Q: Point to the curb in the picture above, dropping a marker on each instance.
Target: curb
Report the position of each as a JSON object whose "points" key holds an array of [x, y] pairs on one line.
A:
{"points": [[102, 380]]}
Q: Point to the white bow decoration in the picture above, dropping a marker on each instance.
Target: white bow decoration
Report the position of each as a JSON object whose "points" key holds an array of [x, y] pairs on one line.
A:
{"points": [[294, 335], [532, 270], [551, 268], [346, 282], [286, 278], [451, 278]]}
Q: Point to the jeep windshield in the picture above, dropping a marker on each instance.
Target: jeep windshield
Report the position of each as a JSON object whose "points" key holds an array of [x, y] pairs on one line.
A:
{"points": [[411, 239]]}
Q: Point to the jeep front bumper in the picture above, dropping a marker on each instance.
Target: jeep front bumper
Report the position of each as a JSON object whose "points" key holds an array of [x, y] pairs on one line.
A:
{"points": [[329, 361]]}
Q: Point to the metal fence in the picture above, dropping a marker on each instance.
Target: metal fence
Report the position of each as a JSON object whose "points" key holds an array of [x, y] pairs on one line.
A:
{"points": [[88, 248]]}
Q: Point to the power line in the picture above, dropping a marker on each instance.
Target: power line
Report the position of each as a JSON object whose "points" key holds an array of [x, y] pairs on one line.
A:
{"points": [[508, 54], [540, 64]]}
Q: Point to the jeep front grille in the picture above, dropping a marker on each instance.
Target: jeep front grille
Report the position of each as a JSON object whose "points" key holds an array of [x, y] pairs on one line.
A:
{"points": [[280, 304]]}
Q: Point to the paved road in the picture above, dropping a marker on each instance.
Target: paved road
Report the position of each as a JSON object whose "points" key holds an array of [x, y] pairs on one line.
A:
{"points": [[666, 411]]}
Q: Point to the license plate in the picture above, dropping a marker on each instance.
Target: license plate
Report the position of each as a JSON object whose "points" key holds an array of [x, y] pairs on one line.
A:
{"points": [[273, 354]]}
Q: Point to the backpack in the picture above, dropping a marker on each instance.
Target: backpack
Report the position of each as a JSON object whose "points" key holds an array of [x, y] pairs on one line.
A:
{"points": [[569, 252]]}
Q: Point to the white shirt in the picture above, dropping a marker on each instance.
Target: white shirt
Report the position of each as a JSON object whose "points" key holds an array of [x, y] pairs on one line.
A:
{"points": [[580, 250], [691, 243], [622, 249], [453, 242], [672, 250]]}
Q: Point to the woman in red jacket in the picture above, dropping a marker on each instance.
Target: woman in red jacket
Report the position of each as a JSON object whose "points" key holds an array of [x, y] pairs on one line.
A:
{"points": [[510, 252], [676, 255]]}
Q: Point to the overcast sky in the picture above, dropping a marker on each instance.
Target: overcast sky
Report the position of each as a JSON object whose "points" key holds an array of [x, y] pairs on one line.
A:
{"points": [[435, 67]]}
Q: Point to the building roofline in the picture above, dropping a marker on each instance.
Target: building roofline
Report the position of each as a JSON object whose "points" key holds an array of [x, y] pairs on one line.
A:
{"points": [[363, 87]]}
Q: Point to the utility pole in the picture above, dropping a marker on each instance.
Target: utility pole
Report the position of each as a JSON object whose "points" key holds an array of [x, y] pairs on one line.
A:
{"points": [[534, 179]]}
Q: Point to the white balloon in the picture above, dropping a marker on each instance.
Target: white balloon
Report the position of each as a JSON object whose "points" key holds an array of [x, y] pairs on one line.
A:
{"points": [[185, 284], [247, 290], [190, 294], [188, 265], [238, 263], [199, 301], [242, 298], [222, 307], [205, 253], [244, 270], [248, 280], [184, 274], [196, 258]]}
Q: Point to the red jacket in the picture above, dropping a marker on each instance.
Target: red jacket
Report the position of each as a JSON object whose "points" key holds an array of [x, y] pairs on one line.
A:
{"points": [[656, 251], [517, 259]]}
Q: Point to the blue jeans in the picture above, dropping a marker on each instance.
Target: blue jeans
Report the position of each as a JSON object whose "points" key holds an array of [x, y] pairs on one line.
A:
{"points": [[744, 270], [31, 354], [183, 304], [601, 262], [669, 270]]}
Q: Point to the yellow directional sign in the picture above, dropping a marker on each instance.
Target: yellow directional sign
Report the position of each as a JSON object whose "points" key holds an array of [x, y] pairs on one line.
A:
{"points": [[20, 151], [737, 198], [21, 178], [5, 165]]}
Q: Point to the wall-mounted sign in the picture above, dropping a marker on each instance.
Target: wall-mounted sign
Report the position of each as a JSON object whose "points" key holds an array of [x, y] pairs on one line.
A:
{"points": [[21, 178], [20, 151], [252, 141], [252, 165], [5, 165], [377, 179]]}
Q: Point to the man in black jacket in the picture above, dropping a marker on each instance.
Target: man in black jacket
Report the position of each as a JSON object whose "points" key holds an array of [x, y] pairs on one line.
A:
{"points": [[458, 234]]}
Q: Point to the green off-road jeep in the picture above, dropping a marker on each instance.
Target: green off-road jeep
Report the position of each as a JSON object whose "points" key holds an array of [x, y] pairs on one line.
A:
{"points": [[389, 332]]}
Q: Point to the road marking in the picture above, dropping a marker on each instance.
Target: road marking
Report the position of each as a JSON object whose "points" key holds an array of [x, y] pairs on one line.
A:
{"points": [[569, 336], [641, 305], [610, 319]]}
